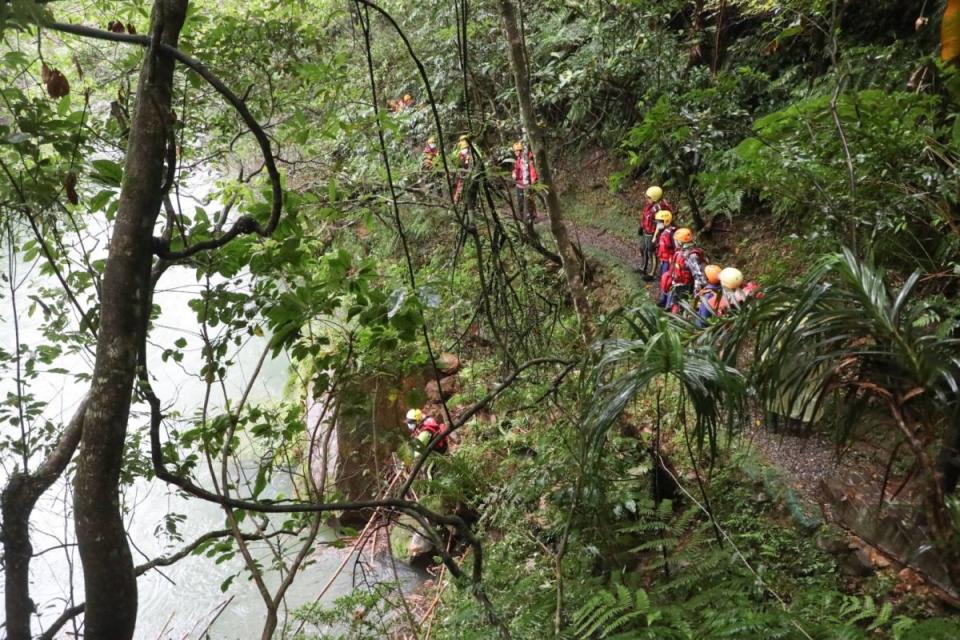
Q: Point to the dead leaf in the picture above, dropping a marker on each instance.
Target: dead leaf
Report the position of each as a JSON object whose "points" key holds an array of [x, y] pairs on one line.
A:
{"points": [[70, 186], [56, 82]]}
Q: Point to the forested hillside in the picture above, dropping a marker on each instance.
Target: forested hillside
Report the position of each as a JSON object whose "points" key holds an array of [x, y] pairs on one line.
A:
{"points": [[480, 319]]}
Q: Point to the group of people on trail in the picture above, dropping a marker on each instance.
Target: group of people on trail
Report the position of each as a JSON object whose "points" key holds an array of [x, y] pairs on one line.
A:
{"points": [[524, 172], [670, 255]]}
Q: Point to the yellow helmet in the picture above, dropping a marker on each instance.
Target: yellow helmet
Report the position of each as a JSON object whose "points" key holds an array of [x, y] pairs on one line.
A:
{"points": [[414, 417], [712, 272], [731, 278], [683, 235], [664, 216], [407, 97], [431, 140], [463, 143], [655, 193]]}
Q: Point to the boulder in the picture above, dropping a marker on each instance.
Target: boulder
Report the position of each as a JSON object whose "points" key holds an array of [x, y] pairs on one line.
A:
{"points": [[444, 390], [448, 364], [857, 564], [420, 551]]}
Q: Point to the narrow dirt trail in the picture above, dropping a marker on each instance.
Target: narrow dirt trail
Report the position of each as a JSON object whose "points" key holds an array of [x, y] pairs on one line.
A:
{"points": [[806, 460], [625, 251]]}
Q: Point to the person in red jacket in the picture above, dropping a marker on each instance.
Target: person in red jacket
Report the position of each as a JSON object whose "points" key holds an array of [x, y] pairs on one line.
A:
{"points": [[525, 176], [655, 203], [686, 269], [663, 239], [425, 429]]}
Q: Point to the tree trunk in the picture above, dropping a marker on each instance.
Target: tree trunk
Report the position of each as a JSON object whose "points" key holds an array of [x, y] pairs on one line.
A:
{"points": [[948, 460], [571, 264], [110, 584], [19, 497]]}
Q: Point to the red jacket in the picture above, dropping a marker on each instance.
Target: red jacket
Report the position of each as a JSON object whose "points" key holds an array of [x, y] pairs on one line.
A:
{"points": [[432, 427], [686, 268], [524, 170], [665, 246], [648, 220]]}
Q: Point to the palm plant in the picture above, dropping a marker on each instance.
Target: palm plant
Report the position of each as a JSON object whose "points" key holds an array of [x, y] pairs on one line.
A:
{"points": [[843, 332], [661, 353]]}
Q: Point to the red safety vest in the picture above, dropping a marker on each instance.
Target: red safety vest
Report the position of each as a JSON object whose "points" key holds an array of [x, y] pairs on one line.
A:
{"points": [[524, 170], [679, 271], [665, 246], [432, 427], [648, 219]]}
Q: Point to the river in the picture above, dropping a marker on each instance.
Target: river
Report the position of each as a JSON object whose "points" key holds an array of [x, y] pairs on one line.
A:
{"points": [[180, 601]]}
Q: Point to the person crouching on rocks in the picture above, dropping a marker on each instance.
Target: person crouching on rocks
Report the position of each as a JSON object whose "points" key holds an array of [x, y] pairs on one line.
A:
{"points": [[425, 429]]}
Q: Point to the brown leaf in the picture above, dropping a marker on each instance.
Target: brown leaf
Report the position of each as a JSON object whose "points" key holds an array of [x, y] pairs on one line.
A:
{"points": [[131, 29], [115, 26], [56, 82], [70, 186]]}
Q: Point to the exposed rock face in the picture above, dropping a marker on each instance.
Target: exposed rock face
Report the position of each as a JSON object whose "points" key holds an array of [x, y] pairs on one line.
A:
{"points": [[444, 390], [370, 428], [896, 529]]}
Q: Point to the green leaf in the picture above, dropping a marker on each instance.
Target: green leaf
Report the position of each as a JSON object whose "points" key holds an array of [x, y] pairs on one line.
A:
{"points": [[108, 172]]}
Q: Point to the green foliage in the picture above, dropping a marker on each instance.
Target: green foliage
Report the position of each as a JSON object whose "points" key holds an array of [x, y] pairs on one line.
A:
{"points": [[796, 162]]}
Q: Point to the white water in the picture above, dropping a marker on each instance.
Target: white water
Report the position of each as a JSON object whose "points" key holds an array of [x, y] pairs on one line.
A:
{"points": [[178, 601]]}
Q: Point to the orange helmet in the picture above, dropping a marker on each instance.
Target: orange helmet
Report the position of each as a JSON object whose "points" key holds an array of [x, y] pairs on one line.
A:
{"points": [[683, 235], [712, 272]]}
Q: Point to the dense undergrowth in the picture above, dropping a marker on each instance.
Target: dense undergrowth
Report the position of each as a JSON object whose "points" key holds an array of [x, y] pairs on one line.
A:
{"points": [[815, 144]]}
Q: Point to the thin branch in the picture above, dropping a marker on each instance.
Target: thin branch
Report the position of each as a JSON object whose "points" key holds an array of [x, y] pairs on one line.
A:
{"points": [[244, 224]]}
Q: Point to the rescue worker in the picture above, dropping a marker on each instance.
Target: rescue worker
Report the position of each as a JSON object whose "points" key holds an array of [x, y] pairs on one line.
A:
{"points": [[686, 269], [430, 152], [709, 296], [663, 240], [654, 203], [465, 161], [525, 176], [425, 429], [732, 295]]}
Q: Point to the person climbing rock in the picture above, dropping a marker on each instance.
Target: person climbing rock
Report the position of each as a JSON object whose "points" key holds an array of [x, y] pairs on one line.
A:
{"points": [[655, 203], [709, 295], [663, 239], [686, 269], [465, 163], [425, 429], [525, 176]]}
